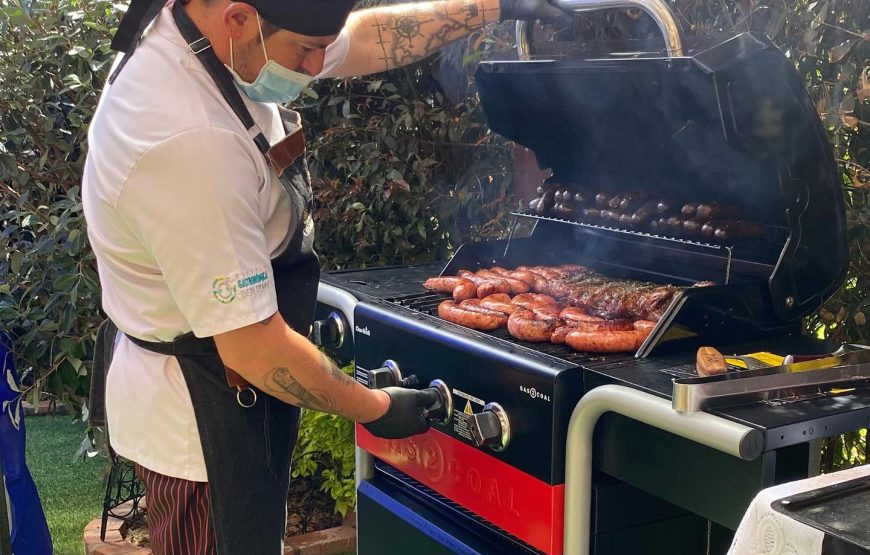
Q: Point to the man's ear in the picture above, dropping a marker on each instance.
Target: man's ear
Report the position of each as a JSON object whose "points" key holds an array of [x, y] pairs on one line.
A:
{"points": [[240, 21]]}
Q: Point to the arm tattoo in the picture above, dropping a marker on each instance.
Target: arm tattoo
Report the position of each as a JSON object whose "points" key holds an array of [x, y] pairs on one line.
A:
{"points": [[407, 37], [280, 380]]}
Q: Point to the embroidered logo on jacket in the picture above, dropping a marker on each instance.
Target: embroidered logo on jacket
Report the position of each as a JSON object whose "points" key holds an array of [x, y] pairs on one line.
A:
{"points": [[227, 288]]}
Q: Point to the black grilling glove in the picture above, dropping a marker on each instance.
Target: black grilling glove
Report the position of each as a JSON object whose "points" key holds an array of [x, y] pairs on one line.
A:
{"points": [[407, 413], [532, 9]]}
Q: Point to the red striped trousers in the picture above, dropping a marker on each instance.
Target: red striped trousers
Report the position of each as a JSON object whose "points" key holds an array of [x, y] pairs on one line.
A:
{"points": [[179, 517]]}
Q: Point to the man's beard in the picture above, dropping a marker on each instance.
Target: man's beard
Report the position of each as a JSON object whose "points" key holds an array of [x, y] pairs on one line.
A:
{"points": [[247, 57]]}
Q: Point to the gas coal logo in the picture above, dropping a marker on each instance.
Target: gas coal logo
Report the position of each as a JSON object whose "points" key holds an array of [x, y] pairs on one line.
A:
{"points": [[534, 393], [224, 289]]}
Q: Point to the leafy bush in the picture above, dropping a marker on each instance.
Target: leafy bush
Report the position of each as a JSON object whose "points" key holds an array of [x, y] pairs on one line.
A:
{"points": [[53, 59], [325, 446]]}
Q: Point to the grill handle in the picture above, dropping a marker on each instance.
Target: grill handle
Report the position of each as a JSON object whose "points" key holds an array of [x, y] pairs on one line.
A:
{"points": [[657, 9], [713, 431]]}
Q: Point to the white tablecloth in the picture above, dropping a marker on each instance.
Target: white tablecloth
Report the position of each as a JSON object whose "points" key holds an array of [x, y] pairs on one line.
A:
{"points": [[764, 531]]}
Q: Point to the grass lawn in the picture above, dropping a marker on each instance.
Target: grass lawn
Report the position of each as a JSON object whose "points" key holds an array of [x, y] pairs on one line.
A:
{"points": [[71, 492]]}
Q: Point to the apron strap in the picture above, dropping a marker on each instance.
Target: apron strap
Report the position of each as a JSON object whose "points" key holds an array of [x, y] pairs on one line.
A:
{"points": [[201, 46], [139, 15]]}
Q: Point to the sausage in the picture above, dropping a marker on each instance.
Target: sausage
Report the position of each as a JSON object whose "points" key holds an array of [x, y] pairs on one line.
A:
{"points": [[625, 220], [543, 271], [602, 199], [581, 198], [692, 228], [499, 302], [465, 290], [560, 333], [715, 210], [526, 326], [444, 284], [533, 300], [523, 275], [547, 201], [663, 207], [598, 342], [731, 231], [516, 286], [500, 271], [630, 201], [644, 213], [591, 214], [533, 204], [486, 286], [689, 210], [450, 311], [563, 210], [474, 306], [574, 314]]}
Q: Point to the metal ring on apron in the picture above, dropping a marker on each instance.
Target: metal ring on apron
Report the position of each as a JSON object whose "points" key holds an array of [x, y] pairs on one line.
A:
{"points": [[239, 391]]}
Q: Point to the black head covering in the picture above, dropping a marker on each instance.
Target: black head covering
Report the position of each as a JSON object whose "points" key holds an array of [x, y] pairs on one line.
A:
{"points": [[313, 18]]}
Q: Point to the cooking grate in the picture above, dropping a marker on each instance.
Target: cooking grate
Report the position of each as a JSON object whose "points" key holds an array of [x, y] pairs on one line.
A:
{"points": [[428, 304]]}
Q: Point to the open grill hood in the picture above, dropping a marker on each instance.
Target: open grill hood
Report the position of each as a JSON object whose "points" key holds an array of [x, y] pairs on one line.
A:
{"points": [[730, 123]]}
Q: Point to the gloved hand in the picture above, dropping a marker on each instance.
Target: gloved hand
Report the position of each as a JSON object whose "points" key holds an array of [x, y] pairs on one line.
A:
{"points": [[532, 9], [407, 413]]}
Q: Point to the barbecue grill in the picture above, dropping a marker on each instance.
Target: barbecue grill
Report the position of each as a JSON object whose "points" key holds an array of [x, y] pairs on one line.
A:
{"points": [[510, 464]]}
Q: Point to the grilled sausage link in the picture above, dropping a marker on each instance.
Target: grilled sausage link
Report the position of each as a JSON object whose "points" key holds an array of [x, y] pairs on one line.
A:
{"points": [[603, 342], [474, 306], [525, 325], [486, 286], [533, 300], [465, 290], [444, 284], [516, 286], [560, 333], [500, 302], [450, 311]]}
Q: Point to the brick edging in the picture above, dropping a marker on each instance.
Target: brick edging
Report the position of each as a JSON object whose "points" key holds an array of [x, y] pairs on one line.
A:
{"points": [[332, 541]]}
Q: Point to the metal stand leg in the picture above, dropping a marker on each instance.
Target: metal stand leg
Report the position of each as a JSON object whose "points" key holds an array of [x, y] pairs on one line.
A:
{"points": [[706, 429]]}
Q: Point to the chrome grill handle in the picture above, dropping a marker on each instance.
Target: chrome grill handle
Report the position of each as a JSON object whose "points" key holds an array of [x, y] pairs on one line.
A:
{"points": [[657, 9]]}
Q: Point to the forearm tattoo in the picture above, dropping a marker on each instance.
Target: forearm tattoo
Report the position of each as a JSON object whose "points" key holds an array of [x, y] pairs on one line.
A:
{"points": [[404, 38], [280, 380]]}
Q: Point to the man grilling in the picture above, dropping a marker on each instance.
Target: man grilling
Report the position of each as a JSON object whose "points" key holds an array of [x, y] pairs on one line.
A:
{"points": [[198, 204]]}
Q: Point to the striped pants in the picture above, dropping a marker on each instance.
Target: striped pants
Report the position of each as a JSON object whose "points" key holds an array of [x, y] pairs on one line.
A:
{"points": [[179, 517]]}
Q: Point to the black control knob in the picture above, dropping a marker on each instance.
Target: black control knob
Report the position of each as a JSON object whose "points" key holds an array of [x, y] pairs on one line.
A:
{"points": [[485, 428], [490, 428], [329, 332], [389, 375], [442, 412]]}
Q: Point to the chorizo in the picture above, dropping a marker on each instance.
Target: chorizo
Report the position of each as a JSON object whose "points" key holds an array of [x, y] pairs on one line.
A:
{"points": [[516, 286], [474, 305], [525, 325], [444, 284], [486, 286], [450, 311], [602, 342], [532, 300], [465, 290], [499, 302]]}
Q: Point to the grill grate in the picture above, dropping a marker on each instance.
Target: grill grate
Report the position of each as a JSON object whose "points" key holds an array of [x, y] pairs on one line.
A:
{"points": [[428, 302], [466, 518]]}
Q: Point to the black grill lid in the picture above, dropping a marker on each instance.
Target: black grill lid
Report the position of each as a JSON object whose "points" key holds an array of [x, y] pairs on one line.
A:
{"points": [[732, 122]]}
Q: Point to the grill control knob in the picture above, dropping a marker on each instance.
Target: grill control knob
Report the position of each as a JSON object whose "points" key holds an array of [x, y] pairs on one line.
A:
{"points": [[329, 332], [443, 413], [490, 427], [389, 375]]}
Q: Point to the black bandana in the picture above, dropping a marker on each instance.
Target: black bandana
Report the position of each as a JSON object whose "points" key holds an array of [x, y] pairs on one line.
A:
{"points": [[313, 18]]}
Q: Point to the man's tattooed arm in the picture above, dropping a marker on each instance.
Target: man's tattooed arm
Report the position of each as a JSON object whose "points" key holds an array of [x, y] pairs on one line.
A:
{"points": [[321, 396], [392, 36]]}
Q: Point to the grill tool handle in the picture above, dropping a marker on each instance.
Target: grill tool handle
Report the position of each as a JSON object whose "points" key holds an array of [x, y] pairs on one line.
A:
{"points": [[657, 9]]}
